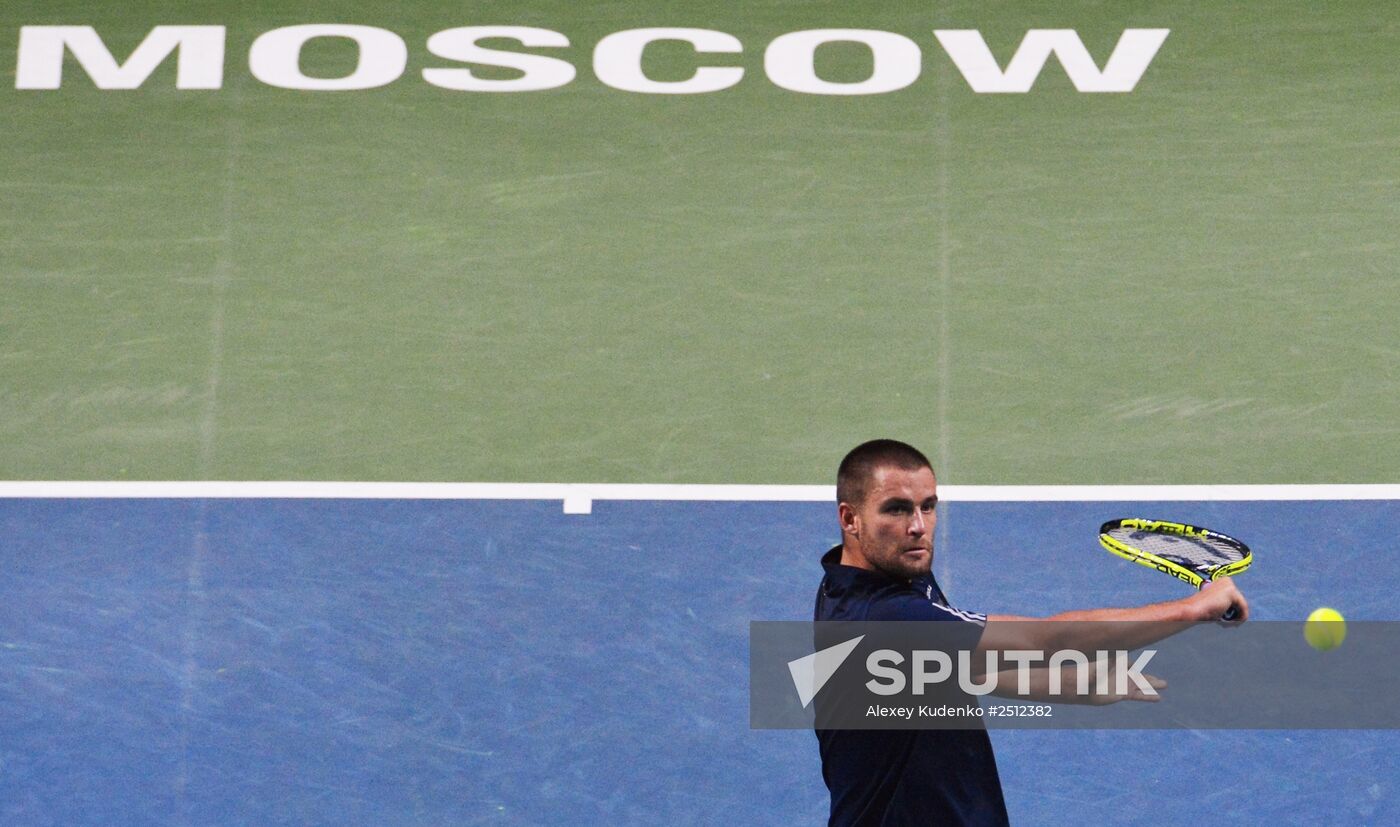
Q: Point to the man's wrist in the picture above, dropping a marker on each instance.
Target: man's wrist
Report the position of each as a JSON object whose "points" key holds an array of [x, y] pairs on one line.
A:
{"points": [[1198, 608]]}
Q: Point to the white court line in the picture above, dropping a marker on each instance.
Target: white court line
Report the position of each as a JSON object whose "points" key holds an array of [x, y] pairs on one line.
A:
{"points": [[578, 498]]}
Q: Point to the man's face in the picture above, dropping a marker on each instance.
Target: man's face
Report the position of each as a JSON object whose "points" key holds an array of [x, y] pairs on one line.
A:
{"points": [[894, 525]]}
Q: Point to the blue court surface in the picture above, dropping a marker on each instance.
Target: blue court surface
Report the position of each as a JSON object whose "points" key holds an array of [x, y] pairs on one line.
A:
{"points": [[193, 662]]}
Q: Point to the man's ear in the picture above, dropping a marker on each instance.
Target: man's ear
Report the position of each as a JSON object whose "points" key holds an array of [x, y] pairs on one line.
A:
{"points": [[850, 520]]}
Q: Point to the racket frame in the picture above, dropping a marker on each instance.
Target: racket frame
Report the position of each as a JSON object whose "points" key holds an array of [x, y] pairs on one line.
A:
{"points": [[1195, 577]]}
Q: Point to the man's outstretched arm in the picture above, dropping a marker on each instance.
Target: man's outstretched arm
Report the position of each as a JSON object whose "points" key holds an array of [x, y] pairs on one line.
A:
{"points": [[1128, 628]]}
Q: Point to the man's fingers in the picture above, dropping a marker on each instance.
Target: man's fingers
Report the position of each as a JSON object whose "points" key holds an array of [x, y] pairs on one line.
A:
{"points": [[1133, 693], [1136, 693], [1226, 595], [1240, 606]]}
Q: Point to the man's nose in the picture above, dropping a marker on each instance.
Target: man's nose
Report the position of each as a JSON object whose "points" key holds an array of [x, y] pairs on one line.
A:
{"points": [[919, 524]]}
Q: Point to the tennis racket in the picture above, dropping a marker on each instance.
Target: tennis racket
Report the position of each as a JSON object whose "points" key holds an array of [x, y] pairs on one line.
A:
{"points": [[1186, 552]]}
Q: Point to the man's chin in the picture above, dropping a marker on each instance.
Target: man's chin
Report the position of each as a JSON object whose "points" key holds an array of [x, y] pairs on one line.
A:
{"points": [[913, 564]]}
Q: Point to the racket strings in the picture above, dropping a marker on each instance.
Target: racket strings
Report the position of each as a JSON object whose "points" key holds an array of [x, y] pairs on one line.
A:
{"points": [[1193, 552]]}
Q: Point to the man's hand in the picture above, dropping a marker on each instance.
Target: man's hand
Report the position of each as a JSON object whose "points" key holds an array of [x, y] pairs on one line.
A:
{"points": [[1134, 693], [1216, 598]]}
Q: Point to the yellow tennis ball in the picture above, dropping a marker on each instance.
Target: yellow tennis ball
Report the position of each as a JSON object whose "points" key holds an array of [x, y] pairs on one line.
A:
{"points": [[1325, 629]]}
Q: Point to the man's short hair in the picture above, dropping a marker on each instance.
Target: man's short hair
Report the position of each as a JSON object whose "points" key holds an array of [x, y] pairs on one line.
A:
{"points": [[854, 474]]}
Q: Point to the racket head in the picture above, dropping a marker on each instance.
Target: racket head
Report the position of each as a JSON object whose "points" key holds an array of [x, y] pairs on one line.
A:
{"points": [[1184, 551]]}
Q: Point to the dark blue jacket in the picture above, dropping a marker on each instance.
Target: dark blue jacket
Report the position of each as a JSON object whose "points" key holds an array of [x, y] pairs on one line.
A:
{"points": [[904, 777]]}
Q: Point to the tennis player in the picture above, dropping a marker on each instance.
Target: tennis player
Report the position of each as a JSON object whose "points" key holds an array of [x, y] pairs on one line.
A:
{"points": [[882, 570]]}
